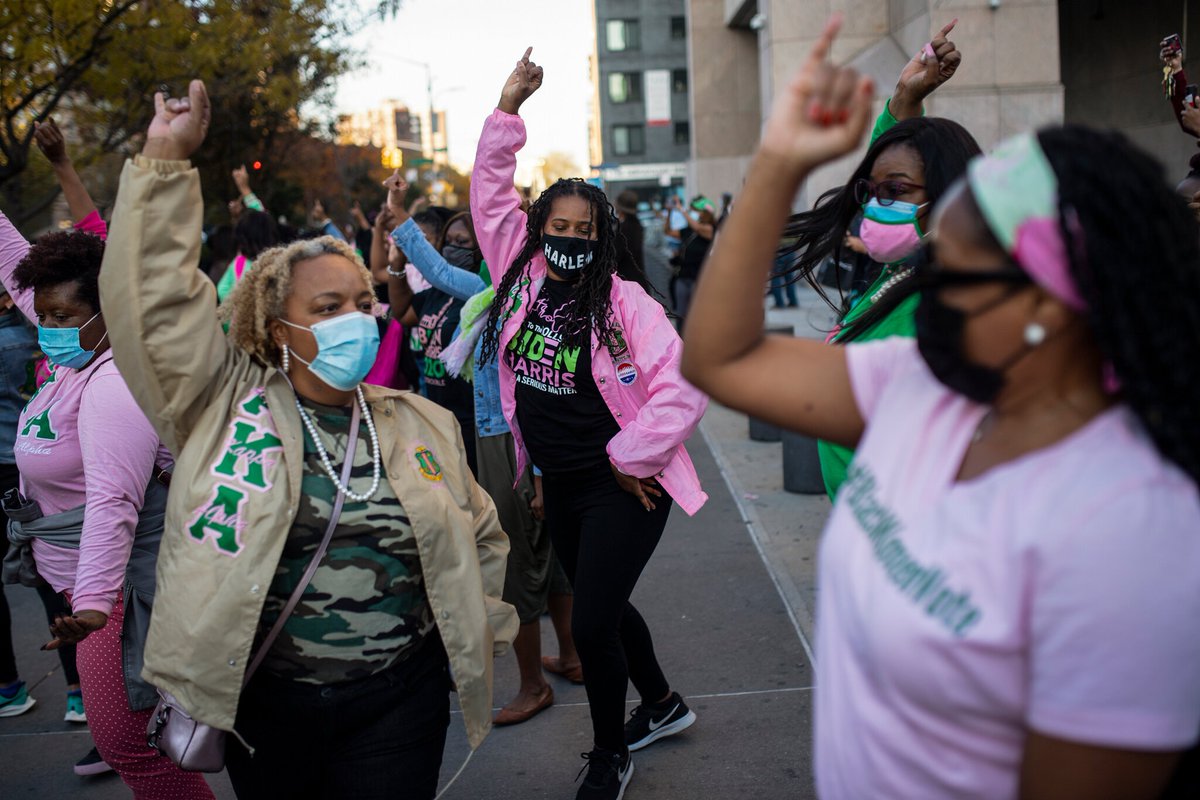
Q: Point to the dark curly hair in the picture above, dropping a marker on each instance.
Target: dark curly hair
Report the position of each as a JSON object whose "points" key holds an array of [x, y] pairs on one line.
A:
{"points": [[945, 149], [1139, 272], [593, 292], [63, 257], [255, 232]]}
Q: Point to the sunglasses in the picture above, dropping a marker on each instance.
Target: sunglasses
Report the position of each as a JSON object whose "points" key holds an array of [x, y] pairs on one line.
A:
{"points": [[886, 192]]}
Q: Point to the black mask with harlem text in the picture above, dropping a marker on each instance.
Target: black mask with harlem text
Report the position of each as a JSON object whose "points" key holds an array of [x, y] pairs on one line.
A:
{"points": [[567, 256]]}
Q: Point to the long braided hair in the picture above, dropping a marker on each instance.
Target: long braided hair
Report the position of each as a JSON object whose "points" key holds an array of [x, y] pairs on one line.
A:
{"points": [[593, 292], [1139, 270]]}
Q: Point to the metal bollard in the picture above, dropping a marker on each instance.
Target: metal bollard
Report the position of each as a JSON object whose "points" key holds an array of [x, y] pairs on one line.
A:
{"points": [[801, 465], [764, 431]]}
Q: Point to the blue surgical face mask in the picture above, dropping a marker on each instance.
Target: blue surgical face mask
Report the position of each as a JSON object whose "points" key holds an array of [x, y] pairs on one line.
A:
{"points": [[346, 349], [62, 347]]}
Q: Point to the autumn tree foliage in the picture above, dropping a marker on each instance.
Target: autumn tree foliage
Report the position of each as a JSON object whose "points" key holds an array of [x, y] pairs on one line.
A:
{"points": [[94, 65]]}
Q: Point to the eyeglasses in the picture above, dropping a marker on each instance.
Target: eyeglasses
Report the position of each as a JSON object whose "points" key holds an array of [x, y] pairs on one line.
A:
{"points": [[886, 192]]}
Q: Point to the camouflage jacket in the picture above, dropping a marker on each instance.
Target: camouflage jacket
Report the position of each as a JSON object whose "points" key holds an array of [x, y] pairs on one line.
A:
{"points": [[233, 426]]}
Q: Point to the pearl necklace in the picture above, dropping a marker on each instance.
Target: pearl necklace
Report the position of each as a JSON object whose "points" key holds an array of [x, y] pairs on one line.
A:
{"points": [[890, 282], [328, 465]]}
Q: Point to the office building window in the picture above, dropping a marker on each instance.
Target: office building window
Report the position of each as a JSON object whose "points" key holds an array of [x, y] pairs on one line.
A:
{"points": [[625, 87], [678, 27], [679, 81], [628, 140], [683, 133], [623, 34]]}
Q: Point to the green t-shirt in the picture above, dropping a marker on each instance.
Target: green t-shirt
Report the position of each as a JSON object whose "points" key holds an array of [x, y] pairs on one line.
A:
{"points": [[835, 459]]}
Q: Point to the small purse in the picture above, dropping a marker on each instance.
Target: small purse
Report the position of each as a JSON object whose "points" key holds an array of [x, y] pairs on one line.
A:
{"points": [[195, 746]]}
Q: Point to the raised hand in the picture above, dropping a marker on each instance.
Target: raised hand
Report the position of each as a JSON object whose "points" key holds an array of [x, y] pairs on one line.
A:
{"points": [[822, 113], [417, 205], [1173, 59], [397, 188], [241, 179], [935, 64], [385, 220], [179, 125], [525, 79], [51, 142]]}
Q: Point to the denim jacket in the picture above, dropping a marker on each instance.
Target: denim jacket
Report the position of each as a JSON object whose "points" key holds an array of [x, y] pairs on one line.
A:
{"points": [[18, 359], [489, 413]]}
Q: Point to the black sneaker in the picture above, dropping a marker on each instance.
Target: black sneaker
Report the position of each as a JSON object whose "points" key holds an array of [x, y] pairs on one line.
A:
{"points": [[649, 724], [608, 774], [92, 764]]}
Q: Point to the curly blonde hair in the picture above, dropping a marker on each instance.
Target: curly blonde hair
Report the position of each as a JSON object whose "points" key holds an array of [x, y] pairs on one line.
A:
{"points": [[261, 295]]}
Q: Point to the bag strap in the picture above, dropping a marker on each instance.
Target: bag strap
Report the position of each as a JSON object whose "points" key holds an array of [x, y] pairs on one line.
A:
{"points": [[292, 602]]}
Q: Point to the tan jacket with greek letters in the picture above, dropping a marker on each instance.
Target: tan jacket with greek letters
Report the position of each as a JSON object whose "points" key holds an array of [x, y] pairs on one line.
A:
{"points": [[233, 426]]}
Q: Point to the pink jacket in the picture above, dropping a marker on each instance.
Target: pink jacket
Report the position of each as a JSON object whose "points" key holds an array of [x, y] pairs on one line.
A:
{"points": [[656, 409]]}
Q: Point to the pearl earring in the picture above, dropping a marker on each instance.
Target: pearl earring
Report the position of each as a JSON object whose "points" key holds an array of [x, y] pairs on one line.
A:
{"points": [[286, 361], [1035, 334]]}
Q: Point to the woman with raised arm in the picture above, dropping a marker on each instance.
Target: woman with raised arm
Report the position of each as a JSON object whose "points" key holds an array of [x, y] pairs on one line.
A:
{"points": [[527, 585], [1026, 477], [910, 164], [590, 386], [328, 560]]}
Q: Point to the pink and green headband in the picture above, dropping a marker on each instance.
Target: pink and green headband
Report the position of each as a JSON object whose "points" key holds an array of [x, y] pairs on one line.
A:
{"points": [[1016, 189]]}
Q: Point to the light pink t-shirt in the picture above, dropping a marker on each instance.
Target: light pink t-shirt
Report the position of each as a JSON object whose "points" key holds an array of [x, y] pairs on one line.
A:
{"points": [[82, 439], [1058, 592]]}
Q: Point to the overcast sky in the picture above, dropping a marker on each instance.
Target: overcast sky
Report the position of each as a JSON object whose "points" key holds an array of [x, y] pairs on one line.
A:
{"points": [[472, 45]]}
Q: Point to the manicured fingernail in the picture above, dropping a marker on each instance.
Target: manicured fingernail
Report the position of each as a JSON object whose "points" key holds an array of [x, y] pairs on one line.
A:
{"points": [[815, 112], [843, 115]]}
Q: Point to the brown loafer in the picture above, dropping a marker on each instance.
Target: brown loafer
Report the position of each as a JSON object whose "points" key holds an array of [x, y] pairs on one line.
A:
{"points": [[554, 666], [509, 717]]}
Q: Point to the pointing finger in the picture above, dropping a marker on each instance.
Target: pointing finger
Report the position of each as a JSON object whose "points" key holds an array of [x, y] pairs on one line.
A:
{"points": [[160, 103], [528, 52], [946, 30], [821, 49]]}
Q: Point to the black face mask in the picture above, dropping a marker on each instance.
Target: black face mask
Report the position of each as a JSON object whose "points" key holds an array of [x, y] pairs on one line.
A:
{"points": [[567, 256], [461, 257], [940, 330]]}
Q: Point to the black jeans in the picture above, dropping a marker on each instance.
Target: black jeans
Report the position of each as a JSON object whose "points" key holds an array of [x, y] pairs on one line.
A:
{"points": [[379, 737], [53, 602], [604, 538]]}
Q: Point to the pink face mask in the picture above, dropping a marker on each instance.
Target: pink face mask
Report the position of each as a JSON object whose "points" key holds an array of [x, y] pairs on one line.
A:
{"points": [[890, 233]]}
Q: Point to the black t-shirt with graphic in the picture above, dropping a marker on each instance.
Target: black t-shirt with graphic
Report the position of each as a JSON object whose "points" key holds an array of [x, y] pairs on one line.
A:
{"points": [[564, 421], [437, 320]]}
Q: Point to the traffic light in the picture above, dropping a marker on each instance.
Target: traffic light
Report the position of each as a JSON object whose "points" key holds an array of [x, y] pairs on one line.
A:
{"points": [[257, 165]]}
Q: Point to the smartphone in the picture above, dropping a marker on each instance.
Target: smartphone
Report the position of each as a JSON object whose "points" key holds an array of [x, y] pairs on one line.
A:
{"points": [[1171, 46]]}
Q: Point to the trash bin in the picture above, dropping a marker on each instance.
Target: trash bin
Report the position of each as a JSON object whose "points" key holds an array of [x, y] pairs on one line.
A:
{"points": [[801, 465], [764, 431]]}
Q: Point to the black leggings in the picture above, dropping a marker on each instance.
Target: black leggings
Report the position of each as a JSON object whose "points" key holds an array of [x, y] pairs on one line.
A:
{"points": [[52, 601], [604, 537]]}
